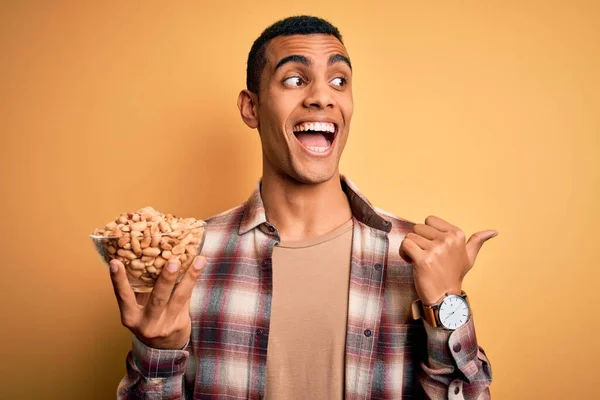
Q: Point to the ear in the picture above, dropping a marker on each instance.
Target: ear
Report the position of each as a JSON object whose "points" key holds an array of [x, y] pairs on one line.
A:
{"points": [[248, 106]]}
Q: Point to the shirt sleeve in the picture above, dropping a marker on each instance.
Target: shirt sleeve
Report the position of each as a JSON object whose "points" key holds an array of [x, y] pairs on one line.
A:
{"points": [[154, 373], [455, 366]]}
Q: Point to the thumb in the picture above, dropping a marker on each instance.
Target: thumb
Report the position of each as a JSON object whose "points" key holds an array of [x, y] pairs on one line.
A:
{"points": [[476, 241]]}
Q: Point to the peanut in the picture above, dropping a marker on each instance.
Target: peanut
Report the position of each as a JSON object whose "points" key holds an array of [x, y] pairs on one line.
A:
{"points": [[139, 226], [137, 264], [136, 246], [151, 269], [164, 226], [154, 241], [159, 262], [186, 238], [166, 255], [146, 242], [151, 251], [128, 254], [135, 233], [179, 249]]}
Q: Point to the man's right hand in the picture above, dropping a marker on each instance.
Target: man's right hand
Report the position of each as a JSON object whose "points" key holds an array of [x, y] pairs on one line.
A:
{"points": [[160, 319]]}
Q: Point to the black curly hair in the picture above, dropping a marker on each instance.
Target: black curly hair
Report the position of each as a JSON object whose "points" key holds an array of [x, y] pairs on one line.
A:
{"points": [[297, 25]]}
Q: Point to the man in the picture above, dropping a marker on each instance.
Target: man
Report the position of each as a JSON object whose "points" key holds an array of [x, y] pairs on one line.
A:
{"points": [[307, 291]]}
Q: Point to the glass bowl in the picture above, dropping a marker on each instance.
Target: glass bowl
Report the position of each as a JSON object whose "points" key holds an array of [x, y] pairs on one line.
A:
{"points": [[145, 256]]}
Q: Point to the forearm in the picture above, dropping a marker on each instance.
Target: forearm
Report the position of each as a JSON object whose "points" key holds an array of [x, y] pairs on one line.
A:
{"points": [[154, 374], [455, 366]]}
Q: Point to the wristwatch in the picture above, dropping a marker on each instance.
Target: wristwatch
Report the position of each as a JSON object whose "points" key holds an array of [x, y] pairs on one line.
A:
{"points": [[451, 312]]}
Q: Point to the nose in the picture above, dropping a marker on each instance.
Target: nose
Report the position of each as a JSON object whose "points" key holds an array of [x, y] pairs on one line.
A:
{"points": [[319, 96]]}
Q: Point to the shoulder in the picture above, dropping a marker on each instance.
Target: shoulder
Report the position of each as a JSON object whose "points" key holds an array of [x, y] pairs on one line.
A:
{"points": [[226, 217], [221, 229]]}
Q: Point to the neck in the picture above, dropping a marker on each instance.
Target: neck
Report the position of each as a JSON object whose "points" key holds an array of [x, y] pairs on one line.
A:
{"points": [[303, 211]]}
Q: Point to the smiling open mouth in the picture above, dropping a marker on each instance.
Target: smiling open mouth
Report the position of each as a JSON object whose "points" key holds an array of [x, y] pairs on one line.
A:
{"points": [[317, 137]]}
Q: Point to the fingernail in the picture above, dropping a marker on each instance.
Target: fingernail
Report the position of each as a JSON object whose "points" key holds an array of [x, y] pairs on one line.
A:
{"points": [[172, 266], [197, 263], [114, 267]]}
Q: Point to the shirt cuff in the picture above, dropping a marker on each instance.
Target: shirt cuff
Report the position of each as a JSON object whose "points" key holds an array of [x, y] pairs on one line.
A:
{"points": [[447, 348], [158, 363]]}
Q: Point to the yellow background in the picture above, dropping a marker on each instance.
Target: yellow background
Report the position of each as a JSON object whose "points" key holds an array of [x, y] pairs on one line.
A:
{"points": [[486, 114]]}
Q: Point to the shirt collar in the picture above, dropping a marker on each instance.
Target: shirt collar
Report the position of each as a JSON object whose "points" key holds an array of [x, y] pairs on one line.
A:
{"points": [[254, 209]]}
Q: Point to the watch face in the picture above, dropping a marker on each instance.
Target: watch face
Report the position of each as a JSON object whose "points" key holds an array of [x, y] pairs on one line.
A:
{"points": [[454, 312]]}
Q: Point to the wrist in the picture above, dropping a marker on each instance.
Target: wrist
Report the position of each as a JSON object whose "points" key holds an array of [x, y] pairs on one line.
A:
{"points": [[172, 342], [430, 299]]}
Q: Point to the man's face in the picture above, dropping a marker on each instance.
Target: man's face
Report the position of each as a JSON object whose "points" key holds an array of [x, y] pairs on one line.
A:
{"points": [[305, 106]]}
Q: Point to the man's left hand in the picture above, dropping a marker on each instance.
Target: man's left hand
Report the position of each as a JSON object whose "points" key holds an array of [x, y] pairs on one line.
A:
{"points": [[441, 258]]}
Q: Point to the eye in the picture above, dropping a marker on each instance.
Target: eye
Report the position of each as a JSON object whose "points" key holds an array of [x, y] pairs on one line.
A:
{"points": [[340, 81], [293, 82]]}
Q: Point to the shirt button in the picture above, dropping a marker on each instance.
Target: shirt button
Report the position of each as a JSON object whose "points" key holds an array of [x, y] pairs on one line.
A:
{"points": [[368, 332], [271, 228], [266, 263], [377, 267], [385, 223], [259, 332], [456, 390], [457, 347]]}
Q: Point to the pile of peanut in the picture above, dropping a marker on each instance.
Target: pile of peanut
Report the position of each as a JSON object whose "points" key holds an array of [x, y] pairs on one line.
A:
{"points": [[145, 240]]}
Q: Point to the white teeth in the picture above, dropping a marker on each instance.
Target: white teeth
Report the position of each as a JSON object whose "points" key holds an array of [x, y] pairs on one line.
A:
{"points": [[318, 149], [315, 126]]}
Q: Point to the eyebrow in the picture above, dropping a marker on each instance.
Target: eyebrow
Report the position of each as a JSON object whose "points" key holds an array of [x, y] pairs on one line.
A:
{"points": [[294, 58], [339, 58], [297, 58]]}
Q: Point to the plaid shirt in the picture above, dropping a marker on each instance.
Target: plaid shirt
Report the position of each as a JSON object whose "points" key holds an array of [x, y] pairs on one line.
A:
{"points": [[388, 354]]}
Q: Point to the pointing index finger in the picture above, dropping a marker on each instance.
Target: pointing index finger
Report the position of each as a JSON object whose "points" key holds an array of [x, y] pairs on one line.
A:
{"points": [[439, 224]]}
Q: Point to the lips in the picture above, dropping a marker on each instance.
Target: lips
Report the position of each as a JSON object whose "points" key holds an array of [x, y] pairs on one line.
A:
{"points": [[316, 136]]}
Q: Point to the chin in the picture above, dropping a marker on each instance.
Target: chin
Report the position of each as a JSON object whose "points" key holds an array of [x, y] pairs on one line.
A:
{"points": [[314, 176]]}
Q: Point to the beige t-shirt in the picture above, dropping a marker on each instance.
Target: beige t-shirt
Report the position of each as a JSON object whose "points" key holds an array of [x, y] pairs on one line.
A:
{"points": [[307, 334]]}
